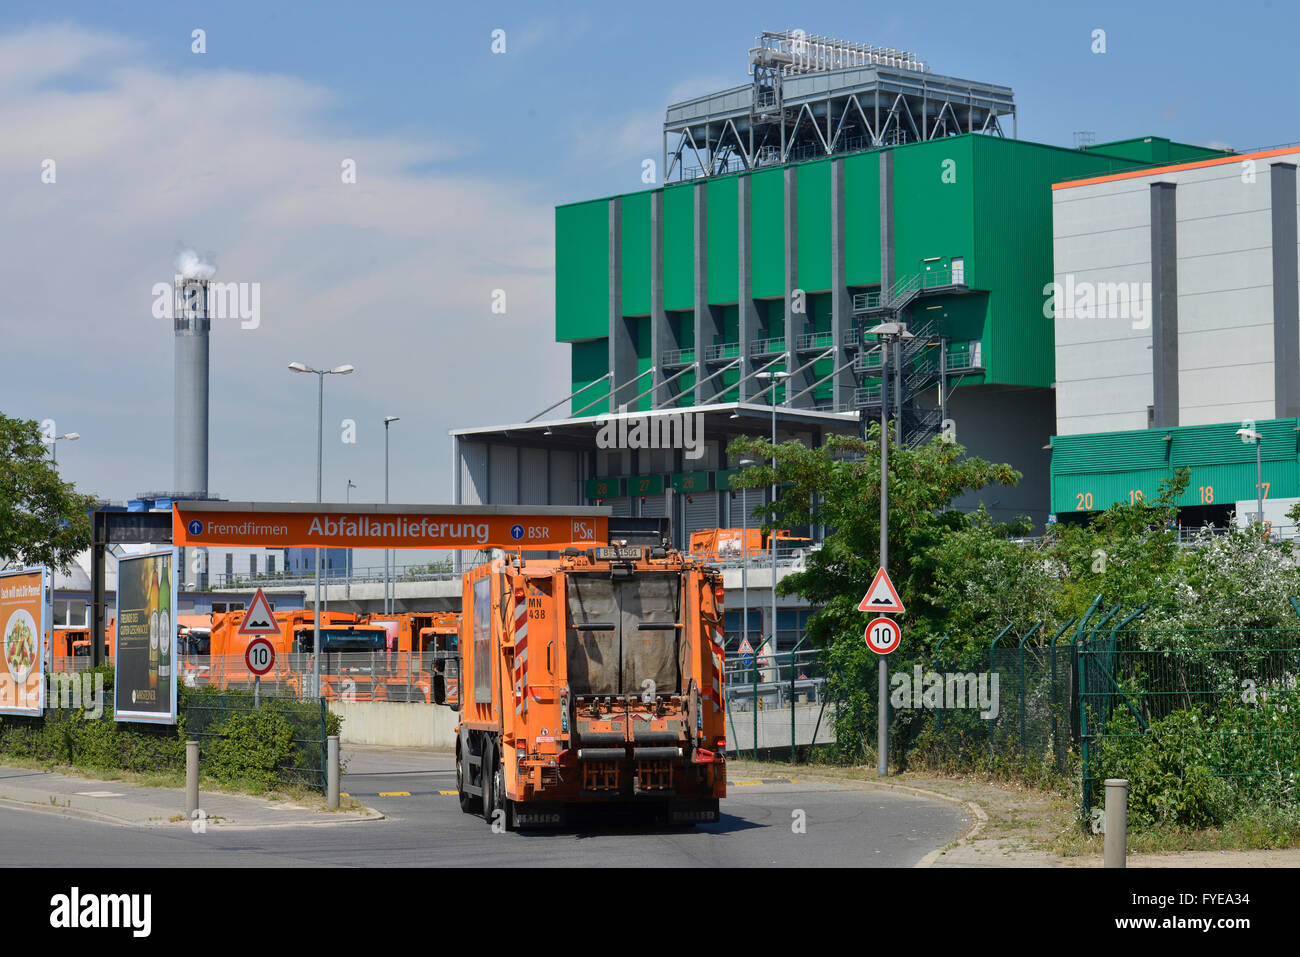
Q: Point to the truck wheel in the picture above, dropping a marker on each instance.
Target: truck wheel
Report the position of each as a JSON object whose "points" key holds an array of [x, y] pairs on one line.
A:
{"points": [[468, 803], [489, 779], [499, 800]]}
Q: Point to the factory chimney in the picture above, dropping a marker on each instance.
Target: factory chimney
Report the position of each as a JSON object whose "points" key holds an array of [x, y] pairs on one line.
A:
{"points": [[192, 325]]}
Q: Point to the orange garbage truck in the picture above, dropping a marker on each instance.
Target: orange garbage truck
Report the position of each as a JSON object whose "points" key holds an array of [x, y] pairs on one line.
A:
{"points": [[353, 664], [720, 544], [594, 678], [412, 640]]}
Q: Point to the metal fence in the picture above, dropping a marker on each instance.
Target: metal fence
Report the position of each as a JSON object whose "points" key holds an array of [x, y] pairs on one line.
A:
{"points": [[757, 686], [1230, 694], [206, 719], [379, 675]]}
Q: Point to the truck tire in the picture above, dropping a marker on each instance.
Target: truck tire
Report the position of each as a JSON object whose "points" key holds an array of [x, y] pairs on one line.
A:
{"points": [[499, 800], [468, 803], [490, 764]]}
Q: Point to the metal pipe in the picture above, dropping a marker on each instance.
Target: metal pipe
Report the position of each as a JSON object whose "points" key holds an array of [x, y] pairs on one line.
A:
{"points": [[882, 668], [568, 397], [320, 451], [332, 775], [1116, 839], [191, 779]]}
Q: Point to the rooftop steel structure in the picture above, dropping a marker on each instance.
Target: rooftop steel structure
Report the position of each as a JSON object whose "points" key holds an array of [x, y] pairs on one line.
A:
{"points": [[814, 96]]}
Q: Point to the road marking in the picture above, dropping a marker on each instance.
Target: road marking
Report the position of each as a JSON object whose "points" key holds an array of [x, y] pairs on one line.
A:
{"points": [[742, 784], [448, 792], [394, 794], [753, 783], [344, 794], [99, 794]]}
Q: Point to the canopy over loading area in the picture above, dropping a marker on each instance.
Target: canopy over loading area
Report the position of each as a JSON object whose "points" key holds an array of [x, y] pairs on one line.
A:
{"points": [[314, 525]]}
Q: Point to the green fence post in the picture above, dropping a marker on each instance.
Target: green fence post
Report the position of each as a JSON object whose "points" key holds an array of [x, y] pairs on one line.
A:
{"points": [[993, 644], [1083, 723], [939, 717], [1055, 701], [1021, 649], [1295, 605], [755, 701], [324, 757], [792, 653]]}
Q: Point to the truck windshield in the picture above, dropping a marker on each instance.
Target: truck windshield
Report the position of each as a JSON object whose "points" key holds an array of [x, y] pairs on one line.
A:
{"points": [[352, 639], [624, 633]]}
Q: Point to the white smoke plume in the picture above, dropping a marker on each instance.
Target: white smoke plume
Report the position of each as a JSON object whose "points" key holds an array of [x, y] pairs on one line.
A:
{"points": [[193, 266]]}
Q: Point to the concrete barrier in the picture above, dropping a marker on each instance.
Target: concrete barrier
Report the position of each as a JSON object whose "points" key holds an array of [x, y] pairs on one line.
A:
{"points": [[774, 727], [396, 724]]}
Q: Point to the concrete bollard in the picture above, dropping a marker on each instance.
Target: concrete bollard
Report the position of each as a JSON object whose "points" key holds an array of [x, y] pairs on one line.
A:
{"points": [[332, 772], [1116, 840], [191, 778]]}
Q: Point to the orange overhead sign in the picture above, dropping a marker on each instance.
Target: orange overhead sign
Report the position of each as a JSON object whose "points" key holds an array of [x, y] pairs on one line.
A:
{"points": [[285, 525]]}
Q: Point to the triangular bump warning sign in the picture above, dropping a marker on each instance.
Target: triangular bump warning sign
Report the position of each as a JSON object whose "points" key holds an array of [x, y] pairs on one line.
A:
{"points": [[882, 596], [259, 619], [745, 647]]}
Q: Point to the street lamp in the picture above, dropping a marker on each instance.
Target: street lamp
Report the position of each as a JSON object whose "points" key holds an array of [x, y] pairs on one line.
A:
{"points": [[320, 446], [54, 443], [745, 463], [388, 420], [889, 333], [771, 541], [1250, 435]]}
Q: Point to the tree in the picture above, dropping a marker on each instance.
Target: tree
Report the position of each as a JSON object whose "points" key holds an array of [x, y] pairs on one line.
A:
{"points": [[43, 520], [838, 486]]}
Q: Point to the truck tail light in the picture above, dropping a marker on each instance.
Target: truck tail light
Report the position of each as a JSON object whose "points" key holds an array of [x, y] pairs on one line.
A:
{"points": [[722, 744], [719, 593], [519, 594]]}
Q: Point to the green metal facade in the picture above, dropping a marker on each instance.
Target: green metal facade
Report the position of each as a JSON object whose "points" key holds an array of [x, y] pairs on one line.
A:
{"points": [[1092, 472], [984, 199]]}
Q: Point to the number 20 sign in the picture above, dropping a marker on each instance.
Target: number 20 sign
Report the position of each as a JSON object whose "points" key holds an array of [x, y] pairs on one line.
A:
{"points": [[883, 635]]}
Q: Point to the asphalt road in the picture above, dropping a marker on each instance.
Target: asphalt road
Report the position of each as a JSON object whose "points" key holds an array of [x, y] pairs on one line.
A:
{"points": [[846, 826]]}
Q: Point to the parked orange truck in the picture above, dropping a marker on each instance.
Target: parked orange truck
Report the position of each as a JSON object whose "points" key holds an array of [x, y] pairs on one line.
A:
{"points": [[592, 679], [720, 544], [353, 662], [411, 651]]}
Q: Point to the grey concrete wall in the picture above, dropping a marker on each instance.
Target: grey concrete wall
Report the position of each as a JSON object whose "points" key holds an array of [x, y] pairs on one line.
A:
{"points": [[1012, 426], [397, 725], [774, 727], [1230, 323]]}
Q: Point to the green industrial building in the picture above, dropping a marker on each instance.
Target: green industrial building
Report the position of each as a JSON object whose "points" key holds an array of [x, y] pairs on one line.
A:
{"points": [[783, 268]]}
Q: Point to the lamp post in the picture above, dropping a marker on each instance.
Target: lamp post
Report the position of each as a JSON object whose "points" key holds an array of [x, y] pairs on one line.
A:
{"points": [[1250, 435], [320, 448], [388, 601], [744, 553], [54, 443], [889, 333], [771, 541], [347, 565]]}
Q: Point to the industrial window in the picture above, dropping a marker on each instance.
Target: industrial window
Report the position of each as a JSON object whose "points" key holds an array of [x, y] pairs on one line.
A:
{"points": [[270, 564], [230, 565], [252, 566]]}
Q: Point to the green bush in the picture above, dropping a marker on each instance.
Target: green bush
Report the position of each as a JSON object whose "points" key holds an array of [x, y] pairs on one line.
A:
{"points": [[251, 750]]}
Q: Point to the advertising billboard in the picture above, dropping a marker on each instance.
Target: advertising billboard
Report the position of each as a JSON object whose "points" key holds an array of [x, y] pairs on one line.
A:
{"points": [[144, 681], [23, 625]]}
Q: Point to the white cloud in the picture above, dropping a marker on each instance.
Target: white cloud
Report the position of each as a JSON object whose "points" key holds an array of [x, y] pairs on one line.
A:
{"points": [[393, 274]]}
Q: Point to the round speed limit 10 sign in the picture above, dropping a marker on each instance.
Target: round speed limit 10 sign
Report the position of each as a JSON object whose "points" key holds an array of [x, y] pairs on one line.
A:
{"points": [[883, 635], [259, 656]]}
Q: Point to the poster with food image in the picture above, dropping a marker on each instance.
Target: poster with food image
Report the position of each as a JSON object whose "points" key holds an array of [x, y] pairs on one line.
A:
{"points": [[144, 688], [23, 623]]}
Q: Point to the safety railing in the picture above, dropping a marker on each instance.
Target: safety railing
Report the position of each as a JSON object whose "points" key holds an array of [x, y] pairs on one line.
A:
{"points": [[764, 689], [721, 350], [767, 347], [379, 675], [678, 357]]}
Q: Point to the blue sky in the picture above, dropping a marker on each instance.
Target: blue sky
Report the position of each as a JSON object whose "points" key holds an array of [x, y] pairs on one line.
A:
{"points": [[462, 156]]}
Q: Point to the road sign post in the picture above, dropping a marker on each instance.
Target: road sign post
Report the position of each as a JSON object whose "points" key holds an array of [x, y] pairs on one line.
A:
{"points": [[882, 597], [259, 657]]}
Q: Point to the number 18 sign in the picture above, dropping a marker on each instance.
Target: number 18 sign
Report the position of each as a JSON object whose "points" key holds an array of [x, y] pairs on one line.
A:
{"points": [[883, 635]]}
